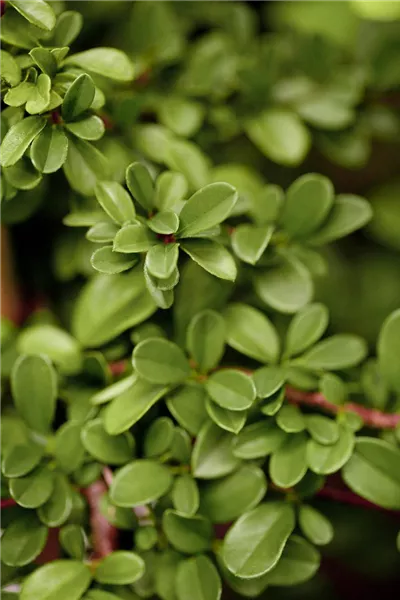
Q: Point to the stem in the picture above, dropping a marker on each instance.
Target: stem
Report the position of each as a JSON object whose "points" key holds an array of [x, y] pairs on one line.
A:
{"points": [[370, 416], [7, 502], [348, 497], [104, 535]]}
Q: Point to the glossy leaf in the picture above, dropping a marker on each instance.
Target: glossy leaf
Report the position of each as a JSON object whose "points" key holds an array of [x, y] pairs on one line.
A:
{"points": [[170, 188], [20, 459], [348, 214], [115, 200], [109, 449], [306, 327], [188, 406], [85, 166], [52, 341], [298, 563], [340, 351], [198, 578], [140, 184], [230, 420], [323, 460], [105, 260], [56, 510], [258, 440], [249, 242], [208, 207], [212, 455], [57, 580], [286, 288], [205, 339], [322, 429], [164, 222], [288, 463], [160, 361], [290, 419], [37, 12], [140, 482], [18, 138], [315, 525], [78, 98], [268, 380], [388, 350], [185, 495], [68, 449], [158, 438], [23, 540], [72, 540], [161, 260], [108, 62], [49, 149], [88, 128], [120, 568], [33, 489], [190, 535], [231, 389]]}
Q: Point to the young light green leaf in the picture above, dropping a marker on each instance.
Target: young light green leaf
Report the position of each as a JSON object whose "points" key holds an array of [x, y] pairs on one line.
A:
{"points": [[187, 158], [105, 260], [348, 214], [85, 166], [164, 222], [161, 260], [185, 495], [231, 389], [287, 287], [22, 175], [140, 482], [290, 419], [78, 98], [268, 380], [299, 563], [190, 535], [340, 351], [324, 460], [280, 135], [389, 350], [18, 138], [69, 23], [250, 332], [205, 339], [250, 241], [87, 128], [322, 429], [373, 472], [306, 327], [20, 459], [23, 540], [212, 257], [34, 389], [333, 388], [160, 361], [57, 580], [45, 60], [56, 510], [33, 489], [37, 12], [308, 202], [288, 463], [140, 184], [120, 568], [102, 232], [116, 202], [10, 69], [208, 207], [258, 440], [108, 62], [108, 449], [57, 344], [227, 499], [170, 188], [315, 525], [39, 100], [255, 543], [49, 149], [230, 420], [134, 238], [201, 570], [212, 455]]}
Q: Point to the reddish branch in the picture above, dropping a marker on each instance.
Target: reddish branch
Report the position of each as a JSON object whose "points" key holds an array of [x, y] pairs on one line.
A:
{"points": [[347, 497], [370, 416], [104, 535], [7, 502]]}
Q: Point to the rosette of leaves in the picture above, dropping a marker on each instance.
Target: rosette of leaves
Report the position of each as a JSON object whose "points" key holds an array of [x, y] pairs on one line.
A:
{"points": [[157, 224], [52, 101]]}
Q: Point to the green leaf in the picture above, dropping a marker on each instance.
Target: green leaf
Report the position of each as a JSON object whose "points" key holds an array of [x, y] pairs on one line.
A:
{"points": [[291, 419], [308, 202], [190, 535], [72, 540], [120, 568], [49, 149], [170, 188], [112, 391], [34, 389], [68, 449], [333, 388], [181, 447], [230, 420], [280, 135], [164, 222], [183, 116], [146, 537], [140, 184], [56, 510], [250, 241], [306, 327], [116, 202], [134, 238], [105, 260], [161, 260], [388, 350], [140, 482], [274, 403], [227, 499], [258, 440], [57, 580], [102, 232], [348, 214], [212, 455], [198, 579], [129, 407], [23, 540], [32, 490], [250, 332], [340, 351], [108, 62], [185, 495], [205, 339], [18, 138], [85, 166], [20, 94], [160, 361], [254, 544], [231, 389], [287, 287], [322, 429], [298, 563], [288, 463], [165, 574], [125, 303], [45, 60], [187, 158], [10, 69], [22, 175], [268, 380], [39, 100], [108, 449], [78, 98], [315, 525], [122, 518], [325, 460], [187, 406], [206, 208], [88, 128], [373, 472], [37, 12], [158, 437], [57, 344], [20, 459], [69, 24], [212, 257]]}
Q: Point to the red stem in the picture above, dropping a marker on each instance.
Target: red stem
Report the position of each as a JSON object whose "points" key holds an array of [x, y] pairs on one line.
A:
{"points": [[370, 416], [104, 535], [7, 502], [348, 497]]}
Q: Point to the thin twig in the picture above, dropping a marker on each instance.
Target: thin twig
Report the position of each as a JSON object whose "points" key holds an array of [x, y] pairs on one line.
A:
{"points": [[371, 417], [104, 535]]}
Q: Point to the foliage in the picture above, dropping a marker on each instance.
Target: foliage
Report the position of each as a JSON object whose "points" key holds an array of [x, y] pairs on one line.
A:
{"points": [[176, 421]]}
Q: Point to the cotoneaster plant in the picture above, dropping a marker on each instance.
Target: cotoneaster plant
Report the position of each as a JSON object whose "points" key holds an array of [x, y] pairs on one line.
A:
{"points": [[182, 420]]}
